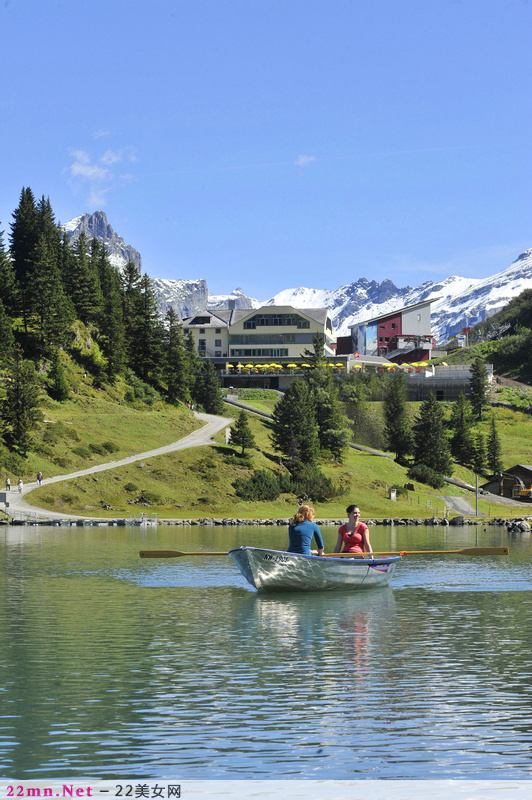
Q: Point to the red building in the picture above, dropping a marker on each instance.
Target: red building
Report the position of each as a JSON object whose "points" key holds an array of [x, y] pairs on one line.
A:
{"points": [[402, 336]]}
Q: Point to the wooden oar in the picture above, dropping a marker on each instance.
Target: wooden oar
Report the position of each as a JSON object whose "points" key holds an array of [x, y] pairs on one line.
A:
{"points": [[178, 553], [467, 551]]}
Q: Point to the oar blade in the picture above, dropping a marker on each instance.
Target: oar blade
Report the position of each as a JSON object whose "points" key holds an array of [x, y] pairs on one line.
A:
{"points": [[485, 551]]}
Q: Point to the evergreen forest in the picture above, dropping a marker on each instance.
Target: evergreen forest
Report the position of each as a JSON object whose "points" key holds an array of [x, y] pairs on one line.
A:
{"points": [[67, 311]]}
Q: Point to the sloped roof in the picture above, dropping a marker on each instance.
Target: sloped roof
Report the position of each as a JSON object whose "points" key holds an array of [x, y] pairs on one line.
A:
{"points": [[396, 311]]}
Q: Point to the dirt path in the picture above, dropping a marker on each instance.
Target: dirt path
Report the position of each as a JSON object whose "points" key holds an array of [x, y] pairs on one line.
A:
{"points": [[203, 436]]}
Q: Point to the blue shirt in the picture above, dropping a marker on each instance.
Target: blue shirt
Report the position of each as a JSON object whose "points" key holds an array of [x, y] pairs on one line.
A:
{"points": [[300, 537]]}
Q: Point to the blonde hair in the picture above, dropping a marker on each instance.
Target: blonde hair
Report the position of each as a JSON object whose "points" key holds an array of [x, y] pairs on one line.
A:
{"points": [[303, 513]]}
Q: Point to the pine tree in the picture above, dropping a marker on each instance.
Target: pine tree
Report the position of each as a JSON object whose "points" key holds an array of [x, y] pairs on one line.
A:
{"points": [[131, 300], [7, 340], [430, 442], [23, 241], [83, 284], [176, 366], [479, 387], [7, 280], [494, 449], [48, 229], [51, 312], [480, 456], [112, 336], [241, 433], [462, 440], [148, 333], [56, 376], [397, 431], [207, 391], [294, 426], [20, 410], [332, 427]]}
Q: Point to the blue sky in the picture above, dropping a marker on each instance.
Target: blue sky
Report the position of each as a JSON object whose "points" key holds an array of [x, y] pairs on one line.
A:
{"points": [[270, 144]]}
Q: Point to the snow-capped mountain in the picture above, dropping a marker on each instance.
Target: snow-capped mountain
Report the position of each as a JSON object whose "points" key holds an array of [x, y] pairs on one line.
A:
{"points": [[458, 302], [237, 299], [96, 225], [185, 297]]}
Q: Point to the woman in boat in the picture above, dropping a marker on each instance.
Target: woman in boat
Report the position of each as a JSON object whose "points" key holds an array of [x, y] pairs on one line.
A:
{"points": [[354, 535], [301, 530]]}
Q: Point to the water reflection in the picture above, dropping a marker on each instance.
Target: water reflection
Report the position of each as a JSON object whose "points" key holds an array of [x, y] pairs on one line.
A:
{"points": [[113, 666]]}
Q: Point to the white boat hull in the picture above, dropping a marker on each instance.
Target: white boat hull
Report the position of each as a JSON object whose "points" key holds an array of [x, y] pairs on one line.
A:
{"points": [[278, 571]]}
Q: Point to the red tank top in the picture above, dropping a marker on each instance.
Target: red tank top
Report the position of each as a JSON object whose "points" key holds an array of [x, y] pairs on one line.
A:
{"points": [[353, 542]]}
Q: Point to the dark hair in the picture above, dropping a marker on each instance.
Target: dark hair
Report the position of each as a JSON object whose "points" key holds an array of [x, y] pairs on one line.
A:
{"points": [[351, 508]]}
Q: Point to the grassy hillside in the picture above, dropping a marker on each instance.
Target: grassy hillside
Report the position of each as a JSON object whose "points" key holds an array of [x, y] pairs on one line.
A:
{"points": [[198, 483], [96, 426]]}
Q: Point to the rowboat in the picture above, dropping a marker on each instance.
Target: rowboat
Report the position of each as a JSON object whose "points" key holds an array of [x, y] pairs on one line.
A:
{"points": [[278, 571]]}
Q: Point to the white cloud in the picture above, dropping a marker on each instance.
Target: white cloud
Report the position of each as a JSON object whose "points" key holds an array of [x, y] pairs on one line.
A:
{"points": [[94, 174], [81, 167], [305, 161], [117, 156]]}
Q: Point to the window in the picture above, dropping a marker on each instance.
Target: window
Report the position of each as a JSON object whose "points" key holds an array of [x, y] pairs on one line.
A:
{"points": [[217, 353], [218, 330], [217, 342], [393, 326], [202, 345], [202, 330]]}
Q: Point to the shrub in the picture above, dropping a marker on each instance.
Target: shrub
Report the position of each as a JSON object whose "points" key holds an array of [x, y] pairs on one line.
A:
{"points": [[61, 461], [14, 463], [309, 480], [238, 459], [401, 491], [424, 474], [130, 487], [149, 498], [262, 485], [51, 433], [111, 447], [97, 448], [82, 452]]}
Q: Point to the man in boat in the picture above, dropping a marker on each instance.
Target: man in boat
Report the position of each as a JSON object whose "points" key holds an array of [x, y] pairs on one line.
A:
{"points": [[354, 534], [301, 530]]}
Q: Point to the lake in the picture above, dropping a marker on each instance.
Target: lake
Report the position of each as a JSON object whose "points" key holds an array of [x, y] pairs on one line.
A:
{"points": [[113, 666]]}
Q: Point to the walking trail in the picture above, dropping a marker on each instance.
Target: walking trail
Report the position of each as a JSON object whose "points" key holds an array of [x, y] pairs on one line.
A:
{"points": [[203, 436]]}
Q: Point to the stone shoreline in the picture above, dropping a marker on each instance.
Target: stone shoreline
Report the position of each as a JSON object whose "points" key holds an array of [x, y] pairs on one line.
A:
{"points": [[525, 522], [521, 524]]}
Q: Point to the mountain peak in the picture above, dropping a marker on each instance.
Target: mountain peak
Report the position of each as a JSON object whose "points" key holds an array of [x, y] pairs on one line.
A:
{"points": [[96, 226]]}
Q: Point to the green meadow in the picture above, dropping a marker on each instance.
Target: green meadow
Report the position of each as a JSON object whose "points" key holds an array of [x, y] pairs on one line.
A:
{"points": [[97, 426]]}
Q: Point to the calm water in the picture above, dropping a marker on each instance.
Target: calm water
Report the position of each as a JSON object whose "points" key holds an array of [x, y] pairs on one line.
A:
{"points": [[114, 667]]}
